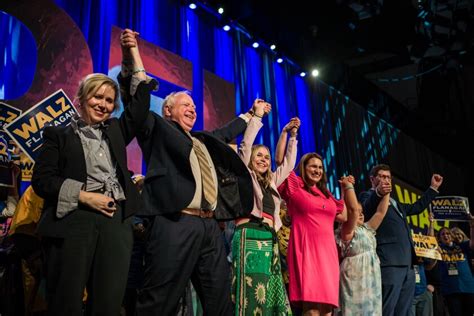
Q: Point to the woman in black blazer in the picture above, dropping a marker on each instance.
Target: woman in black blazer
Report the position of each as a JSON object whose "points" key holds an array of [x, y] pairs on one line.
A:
{"points": [[82, 174]]}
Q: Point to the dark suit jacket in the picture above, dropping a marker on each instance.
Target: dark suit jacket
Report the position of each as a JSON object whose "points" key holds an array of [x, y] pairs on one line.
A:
{"points": [[169, 182], [394, 242], [62, 157]]}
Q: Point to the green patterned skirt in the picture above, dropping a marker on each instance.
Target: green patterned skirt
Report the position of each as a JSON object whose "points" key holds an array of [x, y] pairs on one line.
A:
{"points": [[257, 282]]}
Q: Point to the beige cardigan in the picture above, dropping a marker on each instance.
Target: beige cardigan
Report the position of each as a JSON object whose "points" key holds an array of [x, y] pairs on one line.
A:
{"points": [[280, 174]]}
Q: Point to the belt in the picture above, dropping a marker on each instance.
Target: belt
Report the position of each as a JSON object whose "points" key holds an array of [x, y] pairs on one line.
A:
{"points": [[198, 212]]}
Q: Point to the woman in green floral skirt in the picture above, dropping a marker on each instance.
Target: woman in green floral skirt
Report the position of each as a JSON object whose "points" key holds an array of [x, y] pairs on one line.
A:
{"points": [[258, 287]]}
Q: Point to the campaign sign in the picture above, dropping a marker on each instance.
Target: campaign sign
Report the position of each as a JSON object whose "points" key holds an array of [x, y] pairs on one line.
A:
{"points": [[26, 167], [27, 129], [8, 114], [6, 176], [454, 208], [426, 246]]}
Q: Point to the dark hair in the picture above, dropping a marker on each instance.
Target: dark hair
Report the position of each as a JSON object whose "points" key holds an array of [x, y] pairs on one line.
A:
{"points": [[375, 169], [321, 185], [443, 229]]}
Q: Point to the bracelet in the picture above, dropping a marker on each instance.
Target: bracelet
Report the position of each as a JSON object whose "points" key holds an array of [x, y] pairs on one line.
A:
{"points": [[348, 187], [255, 114], [138, 70], [251, 112]]}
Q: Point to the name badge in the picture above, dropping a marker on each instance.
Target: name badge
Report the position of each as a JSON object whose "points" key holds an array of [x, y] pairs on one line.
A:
{"points": [[452, 269], [417, 274]]}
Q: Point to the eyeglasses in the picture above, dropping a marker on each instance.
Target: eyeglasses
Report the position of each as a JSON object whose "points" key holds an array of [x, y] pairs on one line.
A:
{"points": [[384, 177]]}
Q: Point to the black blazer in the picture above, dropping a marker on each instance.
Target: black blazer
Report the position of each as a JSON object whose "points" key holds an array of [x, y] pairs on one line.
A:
{"points": [[169, 182], [394, 242], [62, 157]]}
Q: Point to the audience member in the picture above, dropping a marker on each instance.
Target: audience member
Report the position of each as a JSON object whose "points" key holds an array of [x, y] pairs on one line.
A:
{"points": [[457, 282]]}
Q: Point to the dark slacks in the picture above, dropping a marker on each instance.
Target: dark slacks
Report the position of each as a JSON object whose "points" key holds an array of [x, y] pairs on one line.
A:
{"points": [[398, 290], [182, 247], [95, 254]]}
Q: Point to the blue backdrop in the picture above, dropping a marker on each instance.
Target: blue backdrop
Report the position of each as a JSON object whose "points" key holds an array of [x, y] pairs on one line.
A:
{"points": [[332, 125]]}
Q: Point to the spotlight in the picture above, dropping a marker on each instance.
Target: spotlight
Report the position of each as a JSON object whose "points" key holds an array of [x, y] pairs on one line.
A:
{"points": [[302, 74], [192, 6], [220, 10], [315, 73], [226, 27], [273, 47], [279, 60], [255, 45]]}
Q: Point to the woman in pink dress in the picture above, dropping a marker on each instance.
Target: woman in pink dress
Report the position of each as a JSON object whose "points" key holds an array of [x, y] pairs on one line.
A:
{"points": [[312, 254]]}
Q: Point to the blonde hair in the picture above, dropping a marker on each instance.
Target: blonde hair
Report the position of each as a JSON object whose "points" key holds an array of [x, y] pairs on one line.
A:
{"points": [[265, 178], [170, 100], [321, 185], [455, 230], [91, 83]]}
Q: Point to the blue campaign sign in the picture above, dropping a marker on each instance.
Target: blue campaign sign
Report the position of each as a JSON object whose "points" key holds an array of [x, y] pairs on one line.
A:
{"points": [[453, 208], [6, 177], [27, 129], [8, 114]]}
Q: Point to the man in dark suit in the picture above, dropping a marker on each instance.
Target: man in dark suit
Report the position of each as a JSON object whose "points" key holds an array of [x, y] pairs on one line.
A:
{"points": [[193, 179], [82, 175], [394, 241]]}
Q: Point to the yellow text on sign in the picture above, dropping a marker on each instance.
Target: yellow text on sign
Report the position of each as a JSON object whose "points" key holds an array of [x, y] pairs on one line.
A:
{"points": [[38, 121]]}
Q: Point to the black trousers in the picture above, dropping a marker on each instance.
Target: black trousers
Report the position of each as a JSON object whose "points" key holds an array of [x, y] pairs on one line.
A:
{"points": [[94, 255], [180, 248]]}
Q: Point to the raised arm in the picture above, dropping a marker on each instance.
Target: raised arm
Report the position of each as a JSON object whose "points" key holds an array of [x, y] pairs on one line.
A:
{"points": [[245, 148], [132, 63], [430, 263], [352, 207], [136, 95], [375, 221], [287, 164], [422, 203], [291, 127]]}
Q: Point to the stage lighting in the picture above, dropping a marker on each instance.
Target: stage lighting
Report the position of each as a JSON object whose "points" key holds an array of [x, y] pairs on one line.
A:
{"points": [[302, 74], [255, 45], [220, 10], [192, 5], [273, 47], [315, 73], [279, 60], [226, 27]]}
